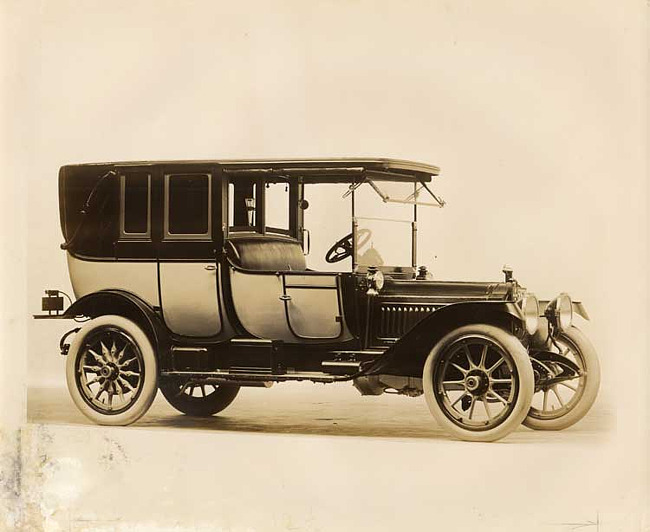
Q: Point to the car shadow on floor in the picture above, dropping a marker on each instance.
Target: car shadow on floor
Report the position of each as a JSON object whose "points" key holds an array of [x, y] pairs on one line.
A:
{"points": [[391, 418]]}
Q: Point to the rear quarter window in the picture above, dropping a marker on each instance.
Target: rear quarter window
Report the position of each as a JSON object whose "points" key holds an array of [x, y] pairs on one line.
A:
{"points": [[187, 205]]}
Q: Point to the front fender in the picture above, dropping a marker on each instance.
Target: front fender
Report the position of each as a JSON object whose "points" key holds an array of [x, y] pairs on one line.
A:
{"points": [[407, 356]]}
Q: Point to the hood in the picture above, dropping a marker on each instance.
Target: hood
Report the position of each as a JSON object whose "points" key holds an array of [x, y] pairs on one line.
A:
{"points": [[445, 292]]}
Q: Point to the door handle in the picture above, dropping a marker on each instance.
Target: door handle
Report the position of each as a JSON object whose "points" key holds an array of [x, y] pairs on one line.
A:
{"points": [[285, 298], [211, 267]]}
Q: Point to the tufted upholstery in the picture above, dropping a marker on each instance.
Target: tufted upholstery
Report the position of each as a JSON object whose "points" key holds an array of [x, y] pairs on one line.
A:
{"points": [[266, 253]]}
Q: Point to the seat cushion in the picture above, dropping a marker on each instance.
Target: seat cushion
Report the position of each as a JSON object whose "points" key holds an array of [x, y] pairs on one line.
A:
{"points": [[266, 253]]}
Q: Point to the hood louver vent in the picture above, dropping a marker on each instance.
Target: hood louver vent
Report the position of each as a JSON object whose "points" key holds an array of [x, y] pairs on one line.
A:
{"points": [[396, 319]]}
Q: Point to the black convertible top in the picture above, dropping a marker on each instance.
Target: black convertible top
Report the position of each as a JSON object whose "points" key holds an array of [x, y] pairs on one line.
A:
{"points": [[337, 170]]}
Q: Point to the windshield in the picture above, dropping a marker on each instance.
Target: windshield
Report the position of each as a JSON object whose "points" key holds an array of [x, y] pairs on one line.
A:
{"points": [[383, 228], [375, 221], [383, 242]]}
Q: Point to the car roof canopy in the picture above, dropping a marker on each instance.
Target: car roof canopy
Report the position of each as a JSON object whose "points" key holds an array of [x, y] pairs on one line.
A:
{"points": [[342, 170], [335, 170]]}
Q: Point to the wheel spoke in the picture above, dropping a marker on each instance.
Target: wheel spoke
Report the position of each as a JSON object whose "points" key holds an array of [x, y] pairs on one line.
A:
{"points": [[96, 379], [120, 390], [487, 409], [453, 382], [497, 396], [568, 386], [458, 399], [501, 381], [203, 390], [545, 400], [481, 364], [96, 357], [113, 351], [94, 369], [471, 408], [129, 373], [105, 352], [127, 362], [459, 368], [495, 365], [124, 382], [557, 395], [102, 389], [109, 391], [119, 356], [468, 355], [183, 388]]}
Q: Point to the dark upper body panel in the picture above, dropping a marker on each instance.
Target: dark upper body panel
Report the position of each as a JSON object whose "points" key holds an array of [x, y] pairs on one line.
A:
{"points": [[93, 228]]}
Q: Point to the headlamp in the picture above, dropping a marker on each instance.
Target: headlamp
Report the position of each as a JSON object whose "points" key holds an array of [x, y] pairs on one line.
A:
{"points": [[530, 310], [559, 312]]}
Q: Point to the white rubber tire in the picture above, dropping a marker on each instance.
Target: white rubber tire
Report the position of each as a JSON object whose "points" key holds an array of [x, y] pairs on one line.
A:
{"points": [[149, 387], [592, 384], [525, 375]]}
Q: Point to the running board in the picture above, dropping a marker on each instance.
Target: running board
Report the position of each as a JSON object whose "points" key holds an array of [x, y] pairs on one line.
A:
{"points": [[237, 377]]}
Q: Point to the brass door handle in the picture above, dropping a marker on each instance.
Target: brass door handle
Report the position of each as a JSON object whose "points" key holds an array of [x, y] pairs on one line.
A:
{"points": [[211, 267], [285, 298]]}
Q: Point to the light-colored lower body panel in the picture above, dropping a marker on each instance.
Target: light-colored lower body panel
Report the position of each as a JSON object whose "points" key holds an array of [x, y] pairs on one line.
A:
{"points": [[190, 300], [139, 278]]}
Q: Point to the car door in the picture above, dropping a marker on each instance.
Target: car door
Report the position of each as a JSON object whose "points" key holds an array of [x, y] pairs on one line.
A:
{"points": [[313, 305], [188, 270]]}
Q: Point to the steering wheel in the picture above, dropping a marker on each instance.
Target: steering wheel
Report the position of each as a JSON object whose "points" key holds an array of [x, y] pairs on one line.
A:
{"points": [[342, 249]]}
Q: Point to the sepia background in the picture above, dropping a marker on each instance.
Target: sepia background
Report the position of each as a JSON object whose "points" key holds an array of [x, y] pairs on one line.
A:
{"points": [[536, 114]]}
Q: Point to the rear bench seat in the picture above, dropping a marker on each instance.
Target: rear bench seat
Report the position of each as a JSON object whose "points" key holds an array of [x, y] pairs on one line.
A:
{"points": [[265, 253]]}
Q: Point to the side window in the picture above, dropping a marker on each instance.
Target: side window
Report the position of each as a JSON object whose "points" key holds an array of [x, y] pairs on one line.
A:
{"points": [[188, 206], [277, 207], [135, 206], [242, 205]]}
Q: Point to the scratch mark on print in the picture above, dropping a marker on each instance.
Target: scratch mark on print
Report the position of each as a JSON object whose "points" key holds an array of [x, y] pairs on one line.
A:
{"points": [[114, 454], [11, 479]]}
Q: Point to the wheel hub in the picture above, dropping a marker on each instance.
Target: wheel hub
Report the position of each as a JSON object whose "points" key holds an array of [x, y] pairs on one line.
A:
{"points": [[477, 382], [109, 371]]}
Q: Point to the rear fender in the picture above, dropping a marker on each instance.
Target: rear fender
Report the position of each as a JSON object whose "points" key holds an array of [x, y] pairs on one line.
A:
{"points": [[407, 356], [128, 305]]}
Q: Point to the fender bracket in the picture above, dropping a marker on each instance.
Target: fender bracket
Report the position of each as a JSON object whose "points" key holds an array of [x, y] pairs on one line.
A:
{"points": [[63, 346]]}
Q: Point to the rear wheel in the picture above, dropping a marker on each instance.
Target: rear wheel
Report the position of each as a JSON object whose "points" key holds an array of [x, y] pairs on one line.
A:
{"points": [[198, 399], [111, 371], [478, 383]]}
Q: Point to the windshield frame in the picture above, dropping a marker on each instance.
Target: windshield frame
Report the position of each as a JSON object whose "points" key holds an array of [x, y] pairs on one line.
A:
{"points": [[356, 267]]}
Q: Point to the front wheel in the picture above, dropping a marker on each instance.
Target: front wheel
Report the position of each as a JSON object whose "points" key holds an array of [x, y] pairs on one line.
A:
{"points": [[478, 383], [561, 402], [111, 371], [196, 398]]}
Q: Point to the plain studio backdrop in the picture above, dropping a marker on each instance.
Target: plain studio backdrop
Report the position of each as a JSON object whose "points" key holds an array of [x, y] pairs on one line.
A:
{"points": [[534, 111]]}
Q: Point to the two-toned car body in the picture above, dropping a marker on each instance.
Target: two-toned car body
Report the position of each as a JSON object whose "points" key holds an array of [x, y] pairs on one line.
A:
{"points": [[193, 279]]}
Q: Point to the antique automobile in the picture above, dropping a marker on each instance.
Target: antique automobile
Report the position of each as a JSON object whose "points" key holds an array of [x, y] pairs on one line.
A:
{"points": [[191, 277]]}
